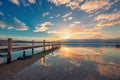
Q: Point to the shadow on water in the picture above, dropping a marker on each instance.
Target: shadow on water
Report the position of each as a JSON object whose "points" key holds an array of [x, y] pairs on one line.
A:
{"points": [[75, 63]]}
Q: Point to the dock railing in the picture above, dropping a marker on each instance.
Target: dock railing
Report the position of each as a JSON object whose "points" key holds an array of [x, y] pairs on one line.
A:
{"points": [[10, 47]]}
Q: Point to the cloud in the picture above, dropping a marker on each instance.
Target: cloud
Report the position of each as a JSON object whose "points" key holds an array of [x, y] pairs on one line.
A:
{"points": [[20, 25], [67, 16], [70, 18], [42, 27], [91, 6], [105, 20], [108, 17], [17, 25], [69, 3], [32, 1], [51, 17], [59, 2], [76, 27], [74, 4], [2, 24], [107, 23], [15, 2], [77, 31], [45, 14]]}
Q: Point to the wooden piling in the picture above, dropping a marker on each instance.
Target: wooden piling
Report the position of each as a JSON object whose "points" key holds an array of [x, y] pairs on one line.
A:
{"points": [[24, 55], [52, 45], [32, 47], [9, 50], [49, 45], [44, 45]]}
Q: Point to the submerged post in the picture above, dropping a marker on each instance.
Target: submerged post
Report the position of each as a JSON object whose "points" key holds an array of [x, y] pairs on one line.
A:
{"points": [[9, 50], [32, 47], [44, 45]]}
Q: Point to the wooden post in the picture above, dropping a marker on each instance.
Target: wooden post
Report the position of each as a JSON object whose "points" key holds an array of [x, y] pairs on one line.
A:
{"points": [[44, 45], [9, 50], [59, 44], [24, 55], [32, 47], [49, 45], [52, 45]]}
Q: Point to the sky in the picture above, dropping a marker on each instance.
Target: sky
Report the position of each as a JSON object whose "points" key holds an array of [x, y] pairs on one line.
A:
{"points": [[59, 19]]}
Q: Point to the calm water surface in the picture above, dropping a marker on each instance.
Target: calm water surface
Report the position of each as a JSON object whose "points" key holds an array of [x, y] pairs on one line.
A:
{"points": [[75, 63]]}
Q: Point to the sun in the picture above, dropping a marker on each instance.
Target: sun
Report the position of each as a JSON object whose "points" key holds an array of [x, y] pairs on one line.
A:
{"points": [[66, 35]]}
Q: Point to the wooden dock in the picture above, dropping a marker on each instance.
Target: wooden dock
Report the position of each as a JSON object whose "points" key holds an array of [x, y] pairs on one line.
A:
{"points": [[10, 48]]}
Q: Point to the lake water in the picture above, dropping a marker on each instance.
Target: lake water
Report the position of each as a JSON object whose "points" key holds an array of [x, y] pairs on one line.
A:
{"points": [[75, 62]]}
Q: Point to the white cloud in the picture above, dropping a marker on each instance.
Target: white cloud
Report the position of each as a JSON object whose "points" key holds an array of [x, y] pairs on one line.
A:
{"points": [[42, 27], [20, 25], [69, 3], [2, 24], [105, 20], [67, 14], [91, 6], [51, 17], [70, 18], [32, 1], [45, 14], [59, 2], [108, 17], [107, 23], [74, 4], [15, 2], [77, 31], [17, 25], [64, 20]]}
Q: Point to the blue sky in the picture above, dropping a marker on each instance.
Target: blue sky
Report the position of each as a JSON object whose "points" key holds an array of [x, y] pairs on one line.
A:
{"points": [[59, 19]]}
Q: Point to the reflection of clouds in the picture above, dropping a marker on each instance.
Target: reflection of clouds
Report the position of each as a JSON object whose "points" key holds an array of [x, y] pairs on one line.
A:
{"points": [[109, 70], [81, 50], [81, 54], [43, 61], [75, 63]]}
